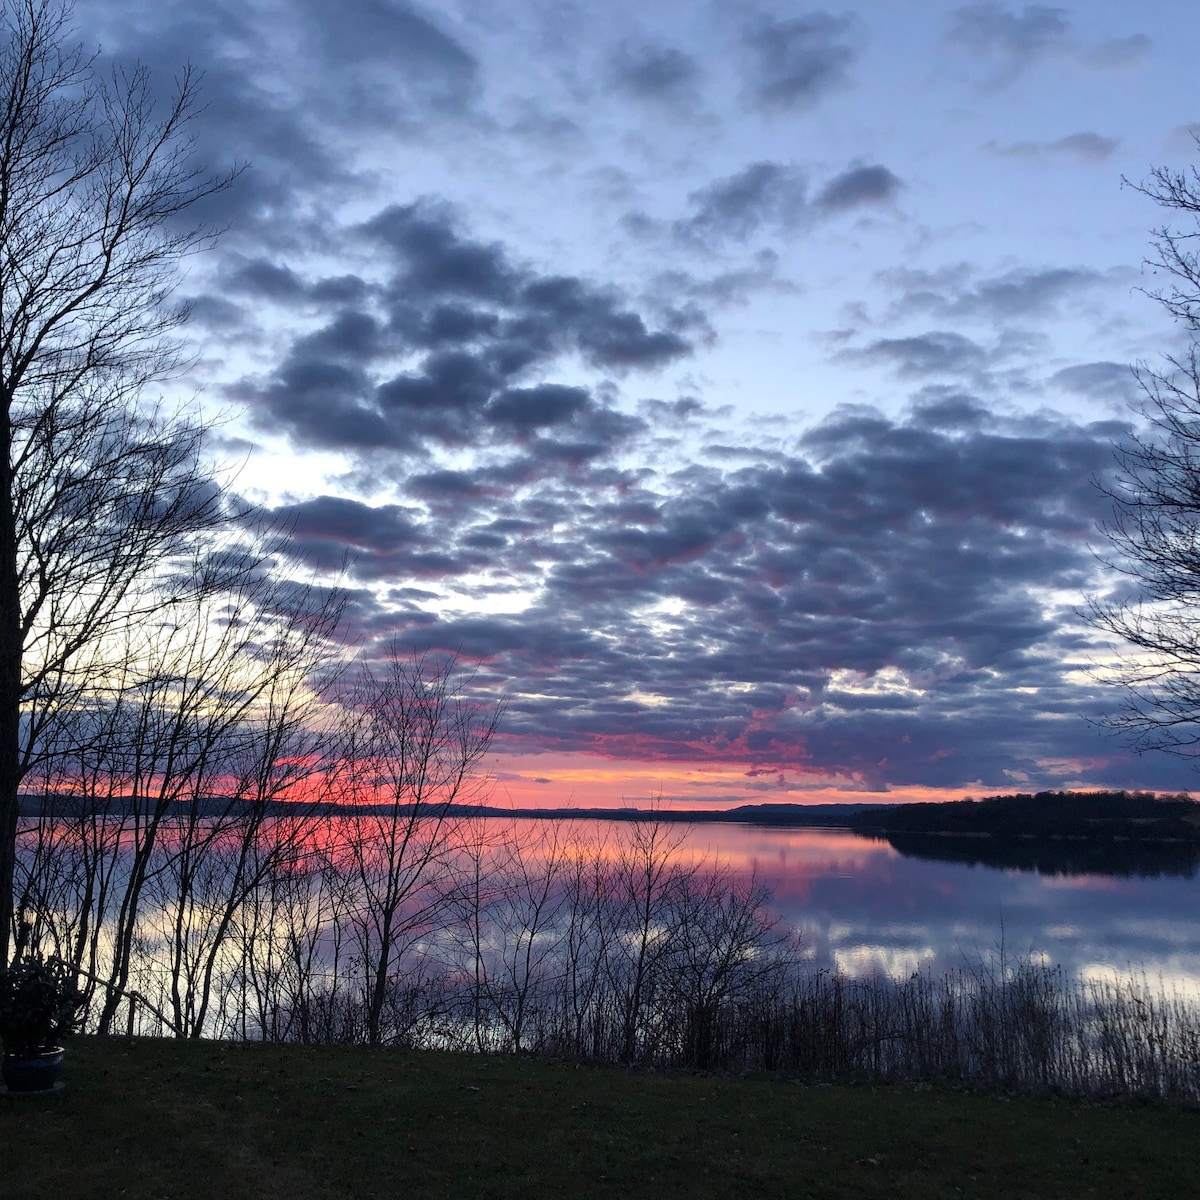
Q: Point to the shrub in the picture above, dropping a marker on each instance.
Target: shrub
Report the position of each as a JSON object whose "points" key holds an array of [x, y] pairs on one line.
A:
{"points": [[39, 1004]]}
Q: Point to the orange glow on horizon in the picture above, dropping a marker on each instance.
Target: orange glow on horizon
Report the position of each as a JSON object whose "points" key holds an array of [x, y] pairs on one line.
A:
{"points": [[577, 780]]}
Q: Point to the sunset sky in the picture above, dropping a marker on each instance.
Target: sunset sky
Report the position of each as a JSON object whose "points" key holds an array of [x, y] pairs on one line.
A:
{"points": [[727, 381]]}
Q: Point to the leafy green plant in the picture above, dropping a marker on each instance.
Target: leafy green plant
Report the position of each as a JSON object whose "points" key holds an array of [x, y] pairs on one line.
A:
{"points": [[39, 1004]]}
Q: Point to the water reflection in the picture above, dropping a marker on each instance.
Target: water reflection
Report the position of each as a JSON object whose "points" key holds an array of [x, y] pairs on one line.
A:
{"points": [[864, 905], [860, 905]]}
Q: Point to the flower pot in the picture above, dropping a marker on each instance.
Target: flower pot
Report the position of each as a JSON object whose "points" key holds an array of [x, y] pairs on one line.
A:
{"points": [[32, 1073]]}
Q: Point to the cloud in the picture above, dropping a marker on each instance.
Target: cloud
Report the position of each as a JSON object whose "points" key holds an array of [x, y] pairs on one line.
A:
{"points": [[654, 71], [940, 352], [1117, 52], [447, 348], [959, 292], [1085, 147], [878, 604], [1110, 381], [1009, 41], [1024, 291], [857, 187], [297, 94], [877, 598], [437, 259], [261, 278], [1184, 138], [327, 531], [769, 196], [795, 62], [736, 206], [367, 31], [991, 30], [375, 61], [527, 409]]}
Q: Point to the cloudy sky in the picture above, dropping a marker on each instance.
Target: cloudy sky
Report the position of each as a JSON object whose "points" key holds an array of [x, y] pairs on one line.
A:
{"points": [[727, 381]]}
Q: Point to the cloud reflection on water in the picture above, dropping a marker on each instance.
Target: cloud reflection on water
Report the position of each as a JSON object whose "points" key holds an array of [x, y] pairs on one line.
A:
{"points": [[861, 906]]}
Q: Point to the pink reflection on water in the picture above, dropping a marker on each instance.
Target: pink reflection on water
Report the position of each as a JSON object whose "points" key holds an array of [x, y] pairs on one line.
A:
{"points": [[860, 903], [1088, 883]]}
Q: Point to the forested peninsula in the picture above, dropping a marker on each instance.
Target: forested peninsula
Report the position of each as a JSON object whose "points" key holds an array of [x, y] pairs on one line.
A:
{"points": [[1084, 815], [1052, 833]]}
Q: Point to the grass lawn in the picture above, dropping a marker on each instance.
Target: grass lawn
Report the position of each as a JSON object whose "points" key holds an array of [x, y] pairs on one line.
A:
{"points": [[166, 1119]]}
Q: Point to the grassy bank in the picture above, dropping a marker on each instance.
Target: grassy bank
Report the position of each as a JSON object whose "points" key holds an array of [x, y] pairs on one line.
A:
{"points": [[190, 1120]]}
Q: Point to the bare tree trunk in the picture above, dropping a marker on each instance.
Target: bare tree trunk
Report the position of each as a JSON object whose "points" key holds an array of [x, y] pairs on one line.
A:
{"points": [[11, 644], [91, 179]]}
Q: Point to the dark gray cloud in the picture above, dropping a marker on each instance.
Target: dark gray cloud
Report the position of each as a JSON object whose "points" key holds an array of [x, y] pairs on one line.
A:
{"points": [[438, 260], [526, 409], [216, 314], [794, 62], [293, 92], [1019, 35], [451, 290], [448, 347], [1112, 382], [881, 604], [1117, 52], [1182, 138], [736, 206], [1024, 292], [373, 542], [770, 196], [939, 352], [654, 71], [879, 597], [389, 32], [857, 187], [379, 60], [263, 279]]}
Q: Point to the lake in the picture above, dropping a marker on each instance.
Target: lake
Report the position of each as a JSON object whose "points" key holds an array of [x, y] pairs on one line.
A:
{"points": [[861, 906], [228, 926]]}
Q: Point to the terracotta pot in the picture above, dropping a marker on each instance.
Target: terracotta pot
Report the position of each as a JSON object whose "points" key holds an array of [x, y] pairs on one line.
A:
{"points": [[32, 1073]]}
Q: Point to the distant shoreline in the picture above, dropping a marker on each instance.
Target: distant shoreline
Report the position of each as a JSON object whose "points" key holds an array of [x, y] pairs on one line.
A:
{"points": [[800, 815], [1115, 816]]}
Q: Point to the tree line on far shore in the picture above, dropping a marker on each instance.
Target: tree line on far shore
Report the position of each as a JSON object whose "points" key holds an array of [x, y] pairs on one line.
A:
{"points": [[1086, 815]]}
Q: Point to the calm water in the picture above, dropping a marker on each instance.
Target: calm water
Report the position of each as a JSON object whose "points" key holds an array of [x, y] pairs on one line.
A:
{"points": [[862, 906]]}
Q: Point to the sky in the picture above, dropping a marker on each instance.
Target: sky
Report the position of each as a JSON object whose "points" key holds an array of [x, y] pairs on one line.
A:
{"points": [[727, 384]]}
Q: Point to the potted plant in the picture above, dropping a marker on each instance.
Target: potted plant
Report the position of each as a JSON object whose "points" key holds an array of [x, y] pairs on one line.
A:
{"points": [[39, 1005]]}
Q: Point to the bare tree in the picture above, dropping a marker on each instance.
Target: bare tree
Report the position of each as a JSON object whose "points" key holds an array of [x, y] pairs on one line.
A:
{"points": [[261, 746], [170, 772], [585, 949], [95, 180], [412, 747], [1155, 527], [726, 946], [475, 888], [640, 913], [508, 906], [290, 940]]}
